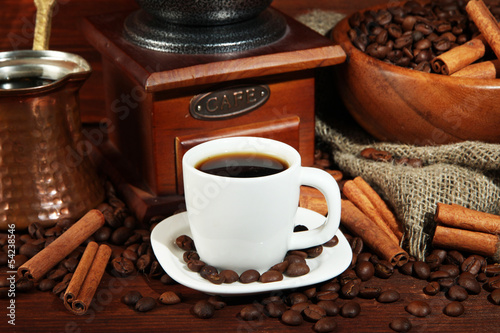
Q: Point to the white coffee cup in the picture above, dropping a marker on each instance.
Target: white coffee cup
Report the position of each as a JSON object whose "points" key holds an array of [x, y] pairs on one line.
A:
{"points": [[247, 223]]}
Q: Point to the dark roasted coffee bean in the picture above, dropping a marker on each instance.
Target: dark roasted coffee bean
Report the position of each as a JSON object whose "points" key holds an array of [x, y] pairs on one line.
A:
{"points": [[145, 304], [29, 249], [46, 284], [457, 293], [369, 292], [167, 279], [388, 296], [347, 276], [407, 269], [70, 264], [400, 325], [365, 270], [60, 287], [492, 270], [280, 267], [436, 275], [299, 307], [169, 297], [195, 265], [296, 298], [215, 278], [331, 308], [493, 283], [292, 318], [350, 309], [469, 283], [432, 288], [271, 276], [433, 261], [452, 270], [297, 269], [454, 258], [454, 309], [131, 297], [332, 286], [446, 282], [203, 309], [384, 269], [130, 255], [472, 264], [57, 274], [377, 51], [123, 266], [313, 312], [421, 270], [310, 292], [295, 259], [275, 309], [326, 324], [120, 235], [326, 295], [230, 276], [350, 290], [190, 255], [185, 243], [495, 296], [208, 270], [299, 253], [143, 262], [36, 230], [314, 252], [249, 276], [217, 302], [418, 308], [332, 242], [24, 285]]}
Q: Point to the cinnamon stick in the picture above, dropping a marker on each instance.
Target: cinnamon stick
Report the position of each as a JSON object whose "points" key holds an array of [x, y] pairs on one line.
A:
{"points": [[86, 279], [362, 226], [459, 57], [356, 196], [486, 23], [43, 261], [381, 207], [469, 241], [464, 218], [480, 70]]}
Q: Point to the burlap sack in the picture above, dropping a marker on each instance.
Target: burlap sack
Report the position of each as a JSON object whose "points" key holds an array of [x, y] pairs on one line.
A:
{"points": [[466, 174]]}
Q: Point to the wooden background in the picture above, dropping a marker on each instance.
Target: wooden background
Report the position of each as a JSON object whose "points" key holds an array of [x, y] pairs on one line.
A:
{"points": [[44, 312]]}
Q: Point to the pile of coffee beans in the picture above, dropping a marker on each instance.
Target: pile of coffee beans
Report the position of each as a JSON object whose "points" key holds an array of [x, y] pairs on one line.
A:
{"points": [[294, 264], [413, 34]]}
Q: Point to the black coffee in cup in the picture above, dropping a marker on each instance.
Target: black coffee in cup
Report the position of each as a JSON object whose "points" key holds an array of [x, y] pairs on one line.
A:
{"points": [[242, 165]]}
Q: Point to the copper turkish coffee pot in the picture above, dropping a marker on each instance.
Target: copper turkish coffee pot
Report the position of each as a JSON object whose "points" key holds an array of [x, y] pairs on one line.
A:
{"points": [[45, 171]]}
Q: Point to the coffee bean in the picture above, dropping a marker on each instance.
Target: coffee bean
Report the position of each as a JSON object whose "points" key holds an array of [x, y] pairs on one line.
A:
{"points": [[434, 261], [130, 255], [350, 290], [314, 252], [332, 242], [70, 264], [388, 296], [365, 270], [472, 264], [454, 257], [400, 325], [331, 286], [292, 318], [495, 296], [331, 308], [296, 298], [57, 274], [313, 312], [123, 266], [327, 295], [215, 278], [407, 269], [217, 302], [275, 309], [469, 282], [492, 270], [249, 276], [421, 270], [190, 255], [297, 269], [280, 267], [446, 282], [326, 324], [454, 309], [46, 284], [131, 297], [207, 270], [120, 235], [493, 283], [251, 312], [432, 288], [299, 307], [167, 279], [24, 285], [436, 275], [169, 297], [295, 259], [384, 269], [195, 265], [185, 243], [29, 249], [452, 270], [102, 234], [350, 309], [418, 308], [230, 276], [271, 276], [203, 309], [347, 276], [457, 293], [310, 292]]}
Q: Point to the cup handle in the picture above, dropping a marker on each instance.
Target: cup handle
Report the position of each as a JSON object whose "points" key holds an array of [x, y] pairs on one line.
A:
{"points": [[327, 185]]}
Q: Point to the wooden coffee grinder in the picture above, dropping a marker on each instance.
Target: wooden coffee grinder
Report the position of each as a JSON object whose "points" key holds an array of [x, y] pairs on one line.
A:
{"points": [[176, 79]]}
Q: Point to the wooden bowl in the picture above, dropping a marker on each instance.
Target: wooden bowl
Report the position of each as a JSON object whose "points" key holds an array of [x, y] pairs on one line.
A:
{"points": [[398, 104]]}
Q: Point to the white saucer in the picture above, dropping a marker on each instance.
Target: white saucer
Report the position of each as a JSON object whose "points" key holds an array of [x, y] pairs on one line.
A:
{"points": [[332, 262]]}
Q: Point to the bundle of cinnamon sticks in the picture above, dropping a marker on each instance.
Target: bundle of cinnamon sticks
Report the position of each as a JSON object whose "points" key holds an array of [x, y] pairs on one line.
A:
{"points": [[366, 215], [465, 229]]}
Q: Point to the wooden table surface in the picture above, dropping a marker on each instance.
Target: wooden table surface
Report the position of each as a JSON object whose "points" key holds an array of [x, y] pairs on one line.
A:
{"points": [[44, 312]]}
